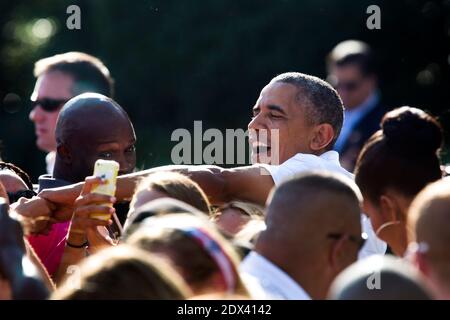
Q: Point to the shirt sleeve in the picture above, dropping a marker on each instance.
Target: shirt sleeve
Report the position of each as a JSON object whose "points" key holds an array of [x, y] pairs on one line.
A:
{"points": [[286, 170]]}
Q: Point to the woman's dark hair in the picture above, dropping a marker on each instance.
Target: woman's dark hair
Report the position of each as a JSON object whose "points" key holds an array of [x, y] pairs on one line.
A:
{"points": [[403, 155]]}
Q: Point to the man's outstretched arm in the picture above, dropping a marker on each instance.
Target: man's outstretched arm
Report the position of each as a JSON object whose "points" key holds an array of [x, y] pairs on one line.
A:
{"points": [[250, 183], [221, 185]]}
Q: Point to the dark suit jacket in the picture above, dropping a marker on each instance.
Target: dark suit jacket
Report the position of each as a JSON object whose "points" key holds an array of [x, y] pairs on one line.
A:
{"points": [[362, 131]]}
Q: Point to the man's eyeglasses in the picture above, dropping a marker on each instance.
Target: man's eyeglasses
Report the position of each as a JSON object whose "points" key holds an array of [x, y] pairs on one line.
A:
{"points": [[15, 196], [49, 105], [359, 241]]}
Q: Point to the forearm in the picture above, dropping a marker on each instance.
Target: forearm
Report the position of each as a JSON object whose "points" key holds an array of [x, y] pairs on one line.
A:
{"points": [[210, 179], [71, 256], [39, 266]]}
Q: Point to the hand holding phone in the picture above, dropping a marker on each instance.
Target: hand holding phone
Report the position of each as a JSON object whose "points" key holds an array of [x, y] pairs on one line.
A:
{"points": [[107, 170]]}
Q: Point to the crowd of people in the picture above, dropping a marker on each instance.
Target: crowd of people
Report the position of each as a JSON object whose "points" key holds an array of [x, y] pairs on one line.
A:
{"points": [[358, 206]]}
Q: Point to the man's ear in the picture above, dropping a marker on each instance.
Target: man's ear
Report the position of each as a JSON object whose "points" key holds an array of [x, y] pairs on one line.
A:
{"points": [[338, 256], [322, 136], [64, 153]]}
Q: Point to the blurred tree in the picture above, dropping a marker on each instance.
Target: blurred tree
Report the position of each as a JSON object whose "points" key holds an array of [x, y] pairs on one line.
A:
{"points": [[179, 61]]}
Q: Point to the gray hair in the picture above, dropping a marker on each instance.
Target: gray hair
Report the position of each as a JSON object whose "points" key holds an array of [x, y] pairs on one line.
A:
{"points": [[321, 101]]}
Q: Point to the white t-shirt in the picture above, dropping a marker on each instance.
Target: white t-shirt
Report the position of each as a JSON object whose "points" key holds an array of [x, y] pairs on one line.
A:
{"points": [[265, 281], [50, 161], [302, 162], [328, 161], [373, 245]]}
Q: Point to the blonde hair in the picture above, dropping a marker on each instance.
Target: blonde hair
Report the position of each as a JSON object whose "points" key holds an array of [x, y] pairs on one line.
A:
{"points": [[196, 249], [253, 210], [250, 232], [88, 72], [178, 186], [122, 273]]}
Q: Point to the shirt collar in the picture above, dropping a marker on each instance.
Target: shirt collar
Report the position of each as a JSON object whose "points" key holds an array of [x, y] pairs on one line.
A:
{"points": [[46, 181], [50, 159], [273, 278], [332, 156]]}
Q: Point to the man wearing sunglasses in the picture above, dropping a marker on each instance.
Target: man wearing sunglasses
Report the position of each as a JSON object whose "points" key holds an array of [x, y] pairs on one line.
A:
{"points": [[59, 78], [352, 72]]}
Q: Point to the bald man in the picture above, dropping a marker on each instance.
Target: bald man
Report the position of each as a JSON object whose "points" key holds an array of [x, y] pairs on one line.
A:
{"points": [[313, 233], [429, 221], [90, 126], [379, 278]]}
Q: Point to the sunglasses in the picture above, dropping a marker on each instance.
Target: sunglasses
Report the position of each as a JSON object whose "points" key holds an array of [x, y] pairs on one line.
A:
{"points": [[49, 105], [359, 241], [15, 196]]}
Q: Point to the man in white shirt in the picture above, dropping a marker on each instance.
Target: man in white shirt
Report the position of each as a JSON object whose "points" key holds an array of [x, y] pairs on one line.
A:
{"points": [[306, 114], [313, 233]]}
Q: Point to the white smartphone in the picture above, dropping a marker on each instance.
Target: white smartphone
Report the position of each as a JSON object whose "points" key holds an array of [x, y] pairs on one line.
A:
{"points": [[108, 170]]}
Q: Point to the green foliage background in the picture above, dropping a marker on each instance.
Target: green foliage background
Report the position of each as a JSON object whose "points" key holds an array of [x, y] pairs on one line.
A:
{"points": [[178, 61]]}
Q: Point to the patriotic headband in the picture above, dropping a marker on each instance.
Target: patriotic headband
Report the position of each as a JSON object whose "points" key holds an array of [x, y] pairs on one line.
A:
{"points": [[217, 253]]}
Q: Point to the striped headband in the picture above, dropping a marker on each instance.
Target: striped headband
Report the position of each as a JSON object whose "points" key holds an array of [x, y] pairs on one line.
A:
{"points": [[219, 256]]}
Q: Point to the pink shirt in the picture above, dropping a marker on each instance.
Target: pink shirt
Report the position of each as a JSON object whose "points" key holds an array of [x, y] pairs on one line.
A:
{"points": [[50, 248]]}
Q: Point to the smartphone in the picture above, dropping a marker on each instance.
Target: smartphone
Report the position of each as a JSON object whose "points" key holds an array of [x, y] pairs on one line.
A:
{"points": [[107, 170]]}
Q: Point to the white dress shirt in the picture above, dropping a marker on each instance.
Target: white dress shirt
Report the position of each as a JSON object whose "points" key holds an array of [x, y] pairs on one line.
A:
{"points": [[266, 281], [302, 162], [50, 162], [328, 161]]}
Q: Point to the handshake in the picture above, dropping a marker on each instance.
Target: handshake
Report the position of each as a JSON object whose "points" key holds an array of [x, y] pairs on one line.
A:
{"points": [[73, 202]]}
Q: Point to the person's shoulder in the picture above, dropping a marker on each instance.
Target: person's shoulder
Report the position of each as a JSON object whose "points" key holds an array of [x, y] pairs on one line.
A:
{"points": [[254, 286], [368, 125], [374, 116], [47, 181], [303, 159], [379, 111]]}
